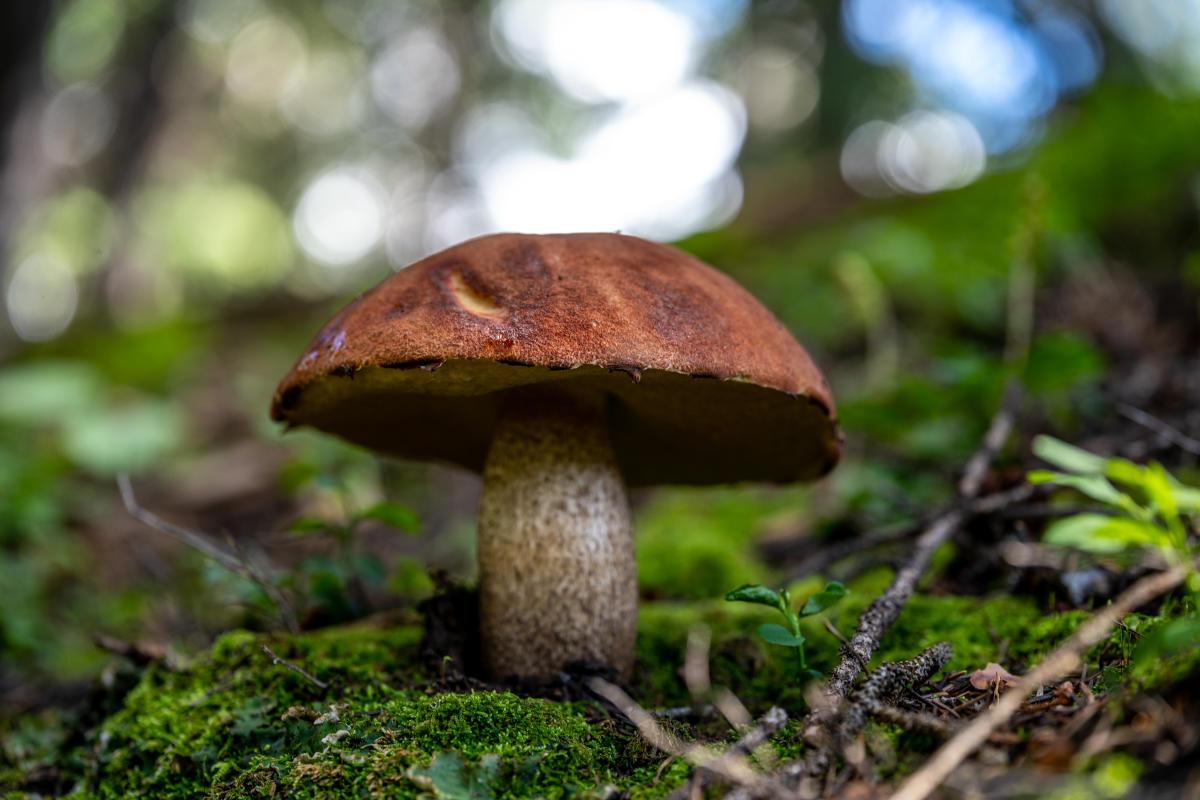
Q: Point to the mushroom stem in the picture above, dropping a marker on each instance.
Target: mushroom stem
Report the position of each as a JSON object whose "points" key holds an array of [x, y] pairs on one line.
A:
{"points": [[557, 577]]}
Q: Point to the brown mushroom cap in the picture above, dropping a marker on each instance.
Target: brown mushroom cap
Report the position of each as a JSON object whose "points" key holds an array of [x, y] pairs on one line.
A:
{"points": [[706, 386]]}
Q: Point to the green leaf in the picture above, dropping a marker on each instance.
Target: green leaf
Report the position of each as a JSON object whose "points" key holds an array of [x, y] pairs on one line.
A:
{"points": [[1068, 456], [295, 474], [128, 438], [309, 525], [1126, 472], [1096, 487], [1187, 498], [48, 391], [1097, 533], [777, 634], [1158, 489], [251, 716], [369, 568], [394, 515], [451, 777], [1170, 639], [755, 593], [1059, 361], [820, 601]]}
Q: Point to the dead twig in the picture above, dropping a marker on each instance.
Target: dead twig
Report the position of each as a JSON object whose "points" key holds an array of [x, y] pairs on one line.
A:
{"points": [[730, 766], [885, 609], [198, 541], [1153, 423], [770, 724], [139, 653], [875, 698], [1065, 660], [834, 631], [298, 670], [682, 712]]}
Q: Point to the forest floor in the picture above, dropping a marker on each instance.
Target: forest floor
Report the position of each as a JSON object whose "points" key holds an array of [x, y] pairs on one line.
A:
{"points": [[363, 710], [393, 706]]}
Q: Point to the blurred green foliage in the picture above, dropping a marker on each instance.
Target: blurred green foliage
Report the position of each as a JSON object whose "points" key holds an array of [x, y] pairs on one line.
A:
{"points": [[75, 411]]}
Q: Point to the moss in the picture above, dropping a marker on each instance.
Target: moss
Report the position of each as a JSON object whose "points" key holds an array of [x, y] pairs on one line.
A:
{"points": [[979, 629], [236, 725], [716, 550]]}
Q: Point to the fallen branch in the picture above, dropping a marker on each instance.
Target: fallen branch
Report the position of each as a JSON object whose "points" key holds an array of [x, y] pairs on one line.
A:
{"points": [[1063, 661], [298, 670], [884, 611], [834, 552], [874, 699], [198, 541]]}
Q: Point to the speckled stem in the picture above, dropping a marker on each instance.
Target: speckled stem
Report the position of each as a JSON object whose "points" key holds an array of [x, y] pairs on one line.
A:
{"points": [[557, 578]]}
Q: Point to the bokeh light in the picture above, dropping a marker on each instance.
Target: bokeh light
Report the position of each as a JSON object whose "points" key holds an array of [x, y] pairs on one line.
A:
{"points": [[217, 21], [41, 298], [1165, 35], [600, 50], [780, 88], [659, 162], [414, 77], [925, 151], [77, 228], [330, 99], [266, 61], [340, 216], [980, 59], [84, 38], [228, 233], [77, 124], [640, 171]]}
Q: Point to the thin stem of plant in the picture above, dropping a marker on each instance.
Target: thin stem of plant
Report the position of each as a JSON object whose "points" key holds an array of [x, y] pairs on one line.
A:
{"points": [[1063, 661], [1153, 423], [294, 668], [731, 765], [198, 541]]}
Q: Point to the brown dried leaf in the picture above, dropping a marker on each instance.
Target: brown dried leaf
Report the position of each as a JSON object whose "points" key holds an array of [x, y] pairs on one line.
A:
{"points": [[988, 676]]}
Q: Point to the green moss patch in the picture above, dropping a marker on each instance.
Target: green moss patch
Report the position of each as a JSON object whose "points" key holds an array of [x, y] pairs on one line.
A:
{"points": [[237, 725]]}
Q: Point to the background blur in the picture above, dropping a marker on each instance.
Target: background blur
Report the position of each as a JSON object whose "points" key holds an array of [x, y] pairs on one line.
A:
{"points": [[932, 194]]}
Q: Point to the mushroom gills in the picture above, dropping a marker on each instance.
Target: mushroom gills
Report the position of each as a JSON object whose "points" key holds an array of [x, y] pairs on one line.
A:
{"points": [[557, 576]]}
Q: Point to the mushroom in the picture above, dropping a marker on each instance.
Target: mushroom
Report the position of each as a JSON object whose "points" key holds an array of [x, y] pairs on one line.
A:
{"points": [[564, 368]]}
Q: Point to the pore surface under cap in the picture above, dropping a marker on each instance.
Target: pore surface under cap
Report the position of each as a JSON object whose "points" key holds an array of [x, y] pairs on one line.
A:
{"points": [[705, 385]]}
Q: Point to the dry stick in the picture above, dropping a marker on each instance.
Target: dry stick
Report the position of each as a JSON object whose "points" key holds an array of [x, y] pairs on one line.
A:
{"points": [[980, 506], [770, 724], [730, 765], [277, 660], [1151, 422], [884, 611], [198, 541], [1066, 659], [872, 699]]}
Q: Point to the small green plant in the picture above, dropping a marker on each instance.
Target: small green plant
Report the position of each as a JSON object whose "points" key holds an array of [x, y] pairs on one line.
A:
{"points": [[337, 581], [781, 601], [1151, 511]]}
